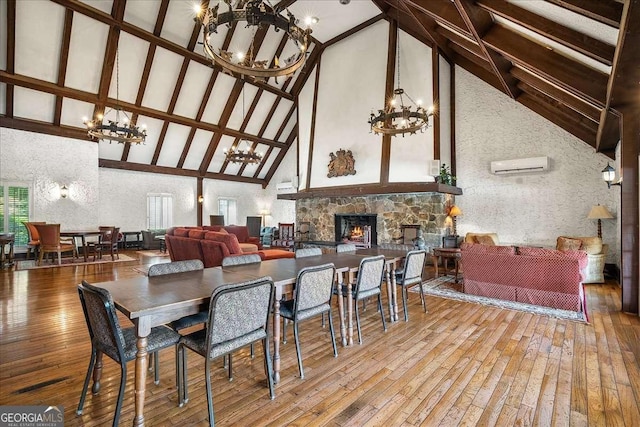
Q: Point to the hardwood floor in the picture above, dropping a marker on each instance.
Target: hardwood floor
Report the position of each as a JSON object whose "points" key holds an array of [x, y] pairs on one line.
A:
{"points": [[458, 364]]}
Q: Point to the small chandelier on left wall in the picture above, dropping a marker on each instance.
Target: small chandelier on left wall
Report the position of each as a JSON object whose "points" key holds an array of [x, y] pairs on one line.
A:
{"points": [[120, 130]]}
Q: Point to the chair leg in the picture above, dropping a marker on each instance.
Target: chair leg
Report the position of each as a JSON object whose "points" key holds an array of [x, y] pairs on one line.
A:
{"points": [[156, 369], [207, 372], [123, 381], [297, 340], [85, 387], [59, 258], [268, 367], [384, 323], [230, 361], [404, 303], [333, 336], [185, 380], [284, 330], [40, 257], [424, 301], [358, 322], [252, 351]]}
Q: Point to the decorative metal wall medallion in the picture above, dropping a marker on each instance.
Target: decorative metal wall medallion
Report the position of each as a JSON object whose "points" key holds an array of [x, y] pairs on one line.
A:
{"points": [[342, 163]]}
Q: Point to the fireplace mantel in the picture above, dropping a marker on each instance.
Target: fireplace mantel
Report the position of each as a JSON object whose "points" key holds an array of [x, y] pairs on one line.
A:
{"points": [[373, 189]]}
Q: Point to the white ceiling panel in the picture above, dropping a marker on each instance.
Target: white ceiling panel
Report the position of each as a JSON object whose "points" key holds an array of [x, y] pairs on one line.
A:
{"points": [[198, 149], [195, 82], [260, 114], [132, 53], [143, 153], [86, 53], [241, 108], [142, 14], [103, 5], [289, 127], [219, 156], [218, 98], [173, 145], [162, 79], [34, 105], [73, 111], [178, 24], [38, 39], [268, 162], [277, 119], [3, 35], [334, 19]]}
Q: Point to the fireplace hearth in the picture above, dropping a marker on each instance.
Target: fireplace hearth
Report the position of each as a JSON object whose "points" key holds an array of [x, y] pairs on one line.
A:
{"points": [[360, 229]]}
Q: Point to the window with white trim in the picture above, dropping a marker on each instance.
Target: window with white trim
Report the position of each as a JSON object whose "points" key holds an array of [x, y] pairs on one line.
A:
{"points": [[228, 208], [14, 209], [159, 210]]}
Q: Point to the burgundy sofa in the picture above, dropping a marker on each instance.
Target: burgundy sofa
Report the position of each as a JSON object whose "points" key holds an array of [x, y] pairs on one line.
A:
{"points": [[211, 247], [545, 277]]}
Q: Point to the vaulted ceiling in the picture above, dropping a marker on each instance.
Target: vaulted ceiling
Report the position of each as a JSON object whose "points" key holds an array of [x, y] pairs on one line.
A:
{"points": [[571, 61]]}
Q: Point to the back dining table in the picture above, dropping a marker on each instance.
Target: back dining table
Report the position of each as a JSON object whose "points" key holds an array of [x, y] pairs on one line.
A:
{"points": [[154, 301]]}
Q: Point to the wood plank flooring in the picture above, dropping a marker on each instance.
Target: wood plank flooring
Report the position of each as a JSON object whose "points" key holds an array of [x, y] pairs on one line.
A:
{"points": [[459, 364]]}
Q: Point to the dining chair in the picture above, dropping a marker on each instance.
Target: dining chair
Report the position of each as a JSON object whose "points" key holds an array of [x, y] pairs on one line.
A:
{"points": [[411, 274], [238, 316], [109, 242], [346, 247], [33, 236], [368, 284], [107, 337], [305, 252], [241, 259], [50, 242], [285, 237], [312, 297]]}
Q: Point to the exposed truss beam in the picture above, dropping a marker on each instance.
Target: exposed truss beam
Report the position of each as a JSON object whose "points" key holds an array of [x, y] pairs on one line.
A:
{"points": [[429, 26], [444, 12], [605, 11], [62, 62], [11, 54]]}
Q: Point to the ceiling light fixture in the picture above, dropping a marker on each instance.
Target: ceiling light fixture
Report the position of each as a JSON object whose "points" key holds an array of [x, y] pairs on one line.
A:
{"points": [[256, 13], [248, 155], [397, 117], [125, 132]]}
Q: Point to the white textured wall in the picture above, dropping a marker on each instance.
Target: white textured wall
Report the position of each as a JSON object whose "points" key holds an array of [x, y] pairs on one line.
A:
{"points": [[530, 208]]}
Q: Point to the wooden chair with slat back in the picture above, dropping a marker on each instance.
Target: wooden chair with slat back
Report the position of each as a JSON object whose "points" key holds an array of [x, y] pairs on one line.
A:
{"points": [[109, 242], [50, 242]]}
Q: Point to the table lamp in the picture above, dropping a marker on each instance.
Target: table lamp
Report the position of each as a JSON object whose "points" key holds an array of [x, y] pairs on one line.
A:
{"points": [[599, 212], [453, 213]]}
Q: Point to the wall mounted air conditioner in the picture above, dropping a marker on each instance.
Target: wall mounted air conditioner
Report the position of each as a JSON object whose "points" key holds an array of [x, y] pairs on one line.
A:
{"points": [[531, 164], [285, 187]]}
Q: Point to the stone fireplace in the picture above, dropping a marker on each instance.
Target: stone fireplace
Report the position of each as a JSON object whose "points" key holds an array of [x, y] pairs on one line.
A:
{"points": [[359, 228], [429, 210]]}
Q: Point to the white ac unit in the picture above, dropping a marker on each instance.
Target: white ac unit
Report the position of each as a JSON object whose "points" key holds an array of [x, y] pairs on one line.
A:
{"points": [[285, 187], [531, 164]]}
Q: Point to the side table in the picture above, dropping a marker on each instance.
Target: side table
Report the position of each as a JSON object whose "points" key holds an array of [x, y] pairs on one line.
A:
{"points": [[137, 244], [446, 254], [6, 258]]}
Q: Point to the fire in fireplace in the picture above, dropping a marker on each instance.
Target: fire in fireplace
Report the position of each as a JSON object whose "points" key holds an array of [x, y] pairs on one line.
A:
{"points": [[356, 228]]}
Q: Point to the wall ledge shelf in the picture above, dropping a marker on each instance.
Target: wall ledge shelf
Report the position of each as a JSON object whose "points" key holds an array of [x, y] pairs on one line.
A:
{"points": [[373, 189]]}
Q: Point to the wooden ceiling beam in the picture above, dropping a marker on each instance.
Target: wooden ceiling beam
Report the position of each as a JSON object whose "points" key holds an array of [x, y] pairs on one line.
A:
{"points": [[11, 54], [62, 62], [443, 11], [623, 87], [479, 71], [589, 46], [311, 62], [604, 11], [479, 21], [292, 137], [45, 128], [473, 57], [570, 75], [468, 44], [430, 27], [96, 14]]}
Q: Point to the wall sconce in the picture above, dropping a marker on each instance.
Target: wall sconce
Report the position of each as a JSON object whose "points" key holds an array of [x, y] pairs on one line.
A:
{"points": [[200, 199], [64, 191], [609, 174]]}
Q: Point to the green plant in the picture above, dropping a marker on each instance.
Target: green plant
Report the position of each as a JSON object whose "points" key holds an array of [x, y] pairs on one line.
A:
{"points": [[445, 175]]}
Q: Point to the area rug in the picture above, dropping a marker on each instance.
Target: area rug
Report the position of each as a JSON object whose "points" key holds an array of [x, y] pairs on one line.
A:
{"points": [[156, 252], [68, 261], [445, 287]]}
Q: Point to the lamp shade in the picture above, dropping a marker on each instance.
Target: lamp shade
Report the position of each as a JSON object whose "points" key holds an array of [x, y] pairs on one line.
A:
{"points": [[599, 212], [455, 211]]}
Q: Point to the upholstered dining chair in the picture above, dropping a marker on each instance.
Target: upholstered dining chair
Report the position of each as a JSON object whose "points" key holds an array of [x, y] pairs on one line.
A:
{"points": [[241, 259], [312, 297], [50, 242], [305, 252], [107, 337], [411, 275], [368, 284], [238, 316], [346, 247], [33, 236]]}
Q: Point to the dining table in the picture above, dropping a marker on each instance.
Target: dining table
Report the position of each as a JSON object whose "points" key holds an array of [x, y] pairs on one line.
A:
{"points": [[82, 234]]}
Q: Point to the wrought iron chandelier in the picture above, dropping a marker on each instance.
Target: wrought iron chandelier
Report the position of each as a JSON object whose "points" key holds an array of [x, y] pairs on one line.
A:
{"points": [[114, 130], [256, 13], [238, 155], [400, 116]]}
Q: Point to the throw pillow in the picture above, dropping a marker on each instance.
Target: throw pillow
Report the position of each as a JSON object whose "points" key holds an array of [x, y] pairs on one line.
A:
{"points": [[181, 232], [568, 244], [485, 240], [591, 245]]}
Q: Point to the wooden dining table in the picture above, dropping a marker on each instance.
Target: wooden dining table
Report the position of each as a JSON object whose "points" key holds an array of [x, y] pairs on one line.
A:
{"points": [[82, 234]]}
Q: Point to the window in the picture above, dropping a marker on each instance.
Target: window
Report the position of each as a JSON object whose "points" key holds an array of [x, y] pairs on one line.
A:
{"points": [[159, 210], [227, 207], [14, 208]]}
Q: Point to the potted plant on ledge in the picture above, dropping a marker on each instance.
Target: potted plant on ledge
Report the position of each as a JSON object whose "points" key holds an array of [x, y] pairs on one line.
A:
{"points": [[445, 176]]}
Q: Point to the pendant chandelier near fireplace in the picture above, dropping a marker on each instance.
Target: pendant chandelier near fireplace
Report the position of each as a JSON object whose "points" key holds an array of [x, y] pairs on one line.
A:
{"points": [[116, 130], [401, 114], [256, 13]]}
